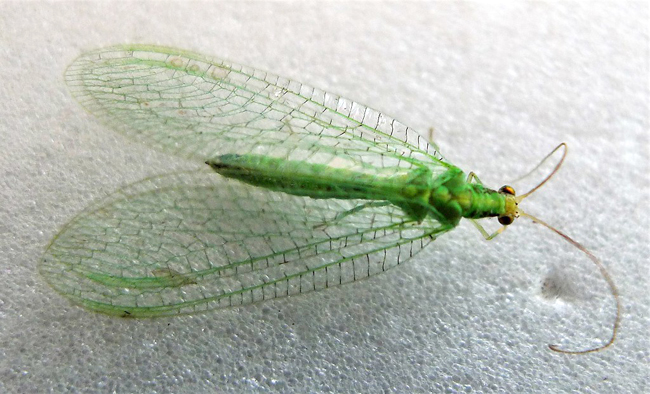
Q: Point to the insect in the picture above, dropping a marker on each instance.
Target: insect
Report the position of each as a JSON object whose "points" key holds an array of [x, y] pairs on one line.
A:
{"points": [[303, 190]]}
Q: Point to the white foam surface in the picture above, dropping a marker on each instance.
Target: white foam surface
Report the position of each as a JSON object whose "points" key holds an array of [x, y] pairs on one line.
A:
{"points": [[500, 84]]}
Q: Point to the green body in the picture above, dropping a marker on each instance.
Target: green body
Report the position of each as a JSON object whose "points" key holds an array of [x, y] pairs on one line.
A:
{"points": [[315, 190], [447, 197]]}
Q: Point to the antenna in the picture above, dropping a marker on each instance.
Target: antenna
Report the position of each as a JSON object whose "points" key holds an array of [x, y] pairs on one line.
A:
{"points": [[594, 259], [557, 167], [606, 276]]}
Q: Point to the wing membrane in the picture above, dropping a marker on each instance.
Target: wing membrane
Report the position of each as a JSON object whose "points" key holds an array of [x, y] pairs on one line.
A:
{"points": [[195, 241], [195, 106], [190, 242]]}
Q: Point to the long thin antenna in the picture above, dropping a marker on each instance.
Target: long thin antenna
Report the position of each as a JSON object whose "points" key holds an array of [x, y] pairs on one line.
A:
{"points": [[557, 167], [603, 272]]}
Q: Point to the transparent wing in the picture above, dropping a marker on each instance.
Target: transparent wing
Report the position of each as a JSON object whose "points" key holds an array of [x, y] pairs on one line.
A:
{"points": [[195, 241], [195, 106]]}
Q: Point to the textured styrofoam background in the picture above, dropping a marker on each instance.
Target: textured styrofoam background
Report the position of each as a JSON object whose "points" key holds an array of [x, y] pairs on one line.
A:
{"points": [[501, 85]]}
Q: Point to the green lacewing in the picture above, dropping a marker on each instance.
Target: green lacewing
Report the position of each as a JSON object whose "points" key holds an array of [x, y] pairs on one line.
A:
{"points": [[303, 190]]}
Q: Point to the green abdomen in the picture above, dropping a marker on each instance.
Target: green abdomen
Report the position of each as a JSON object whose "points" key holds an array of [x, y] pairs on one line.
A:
{"points": [[304, 179]]}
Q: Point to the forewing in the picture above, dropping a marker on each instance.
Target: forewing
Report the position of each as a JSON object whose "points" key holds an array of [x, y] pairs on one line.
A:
{"points": [[196, 106], [195, 241]]}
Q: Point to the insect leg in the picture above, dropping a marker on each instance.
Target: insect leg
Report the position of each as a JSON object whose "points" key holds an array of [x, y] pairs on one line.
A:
{"points": [[430, 134], [471, 176], [485, 233]]}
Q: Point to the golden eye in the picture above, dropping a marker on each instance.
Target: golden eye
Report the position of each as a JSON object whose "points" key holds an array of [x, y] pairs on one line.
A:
{"points": [[506, 220], [507, 190]]}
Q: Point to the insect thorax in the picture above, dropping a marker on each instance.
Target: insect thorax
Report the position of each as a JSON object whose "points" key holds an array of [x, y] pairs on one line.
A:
{"points": [[454, 198]]}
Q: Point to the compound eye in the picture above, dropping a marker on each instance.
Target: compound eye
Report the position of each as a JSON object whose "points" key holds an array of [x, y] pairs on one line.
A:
{"points": [[506, 220], [507, 190]]}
